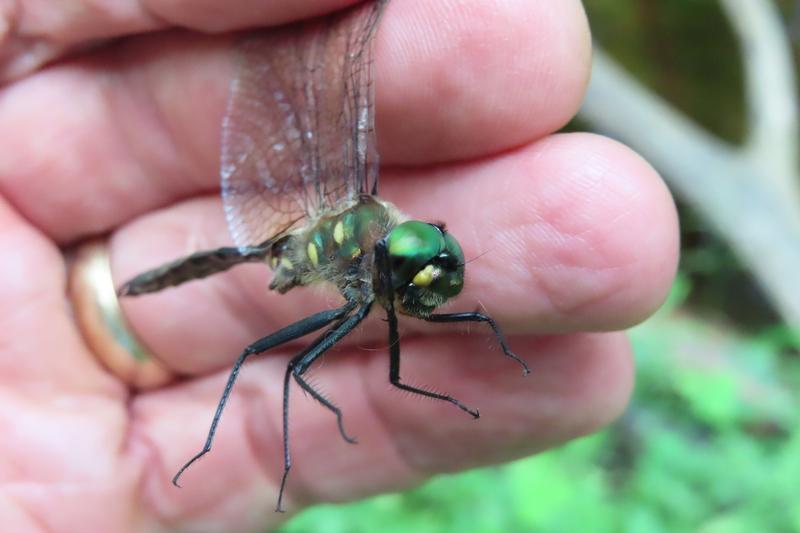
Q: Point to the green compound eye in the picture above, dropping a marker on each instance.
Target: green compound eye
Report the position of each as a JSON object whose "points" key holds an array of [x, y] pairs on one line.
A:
{"points": [[450, 280], [453, 248], [412, 245]]}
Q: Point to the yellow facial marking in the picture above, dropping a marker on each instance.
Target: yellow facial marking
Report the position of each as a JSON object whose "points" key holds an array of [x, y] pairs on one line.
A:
{"points": [[312, 253], [338, 232], [286, 263], [273, 262], [425, 276]]}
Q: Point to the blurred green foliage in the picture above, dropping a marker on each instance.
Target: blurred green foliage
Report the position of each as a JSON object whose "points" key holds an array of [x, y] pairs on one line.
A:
{"points": [[707, 445], [711, 440]]}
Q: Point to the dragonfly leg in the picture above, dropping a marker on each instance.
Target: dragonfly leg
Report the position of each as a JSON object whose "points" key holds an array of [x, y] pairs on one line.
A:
{"points": [[385, 273], [475, 316], [306, 386], [299, 365], [394, 370], [282, 336]]}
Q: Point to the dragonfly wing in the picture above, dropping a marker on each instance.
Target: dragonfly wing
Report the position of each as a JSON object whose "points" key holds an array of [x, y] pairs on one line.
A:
{"points": [[361, 145], [298, 135]]}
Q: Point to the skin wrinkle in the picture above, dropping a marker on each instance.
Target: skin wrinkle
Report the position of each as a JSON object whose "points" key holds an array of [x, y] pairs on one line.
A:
{"points": [[588, 347], [107, 97], [141, 445], [531, 270], [300, 484], [415, 468], [46, 248], [189, 159], [124, 89], [7, 170], [609, 289], [305, 491], [156, 483], [37, 501], [599, 418], [127, 441], [508, 236], [17, 344], [632, 261], [37, 520], [110, 404], [156, 18], [572, 308], [251, 15], [44, 38], [13, 44], [157, 119], [415, 476], [157, 476]]}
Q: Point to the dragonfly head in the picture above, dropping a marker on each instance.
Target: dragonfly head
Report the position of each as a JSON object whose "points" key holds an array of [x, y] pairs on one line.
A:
{"points": [[427, 266]]}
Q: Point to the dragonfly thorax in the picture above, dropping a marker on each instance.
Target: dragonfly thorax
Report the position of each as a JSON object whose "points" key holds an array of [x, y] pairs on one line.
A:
{"points": [[337, 247]]}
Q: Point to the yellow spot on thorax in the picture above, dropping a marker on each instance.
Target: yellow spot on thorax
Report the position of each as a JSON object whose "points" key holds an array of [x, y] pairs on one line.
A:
{"points": [[338, 232], [312, 253]]}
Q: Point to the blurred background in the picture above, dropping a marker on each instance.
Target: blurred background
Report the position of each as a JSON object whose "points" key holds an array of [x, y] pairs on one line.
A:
{"points": [[706, 91]]}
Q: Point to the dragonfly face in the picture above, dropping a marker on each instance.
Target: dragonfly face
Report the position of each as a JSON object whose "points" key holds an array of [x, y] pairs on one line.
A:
{"points": [[299, 187], [427, 266]]}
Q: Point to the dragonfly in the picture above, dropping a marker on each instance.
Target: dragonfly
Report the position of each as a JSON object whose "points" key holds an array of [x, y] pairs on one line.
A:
{"points": [[299, 185]]}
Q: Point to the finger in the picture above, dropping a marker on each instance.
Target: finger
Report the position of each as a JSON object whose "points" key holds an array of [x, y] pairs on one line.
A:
{"points": [[31, 36], [137, 126], [573, 233], [578, 384], [64, 418], [42, 352], [479, 78]]}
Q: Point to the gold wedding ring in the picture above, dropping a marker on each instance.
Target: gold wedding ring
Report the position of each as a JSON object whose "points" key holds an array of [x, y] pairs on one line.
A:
{"points": [[100, 319]]}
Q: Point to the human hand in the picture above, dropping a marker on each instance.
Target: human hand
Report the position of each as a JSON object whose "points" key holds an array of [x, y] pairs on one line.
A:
{"points": [[570, 233]]}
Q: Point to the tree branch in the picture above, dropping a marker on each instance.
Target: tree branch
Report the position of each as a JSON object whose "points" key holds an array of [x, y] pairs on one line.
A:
{"points": [[770, 89], [729, 187]]}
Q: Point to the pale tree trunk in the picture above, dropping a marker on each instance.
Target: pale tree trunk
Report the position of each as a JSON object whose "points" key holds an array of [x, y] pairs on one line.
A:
{"points": [[750, 193]]}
